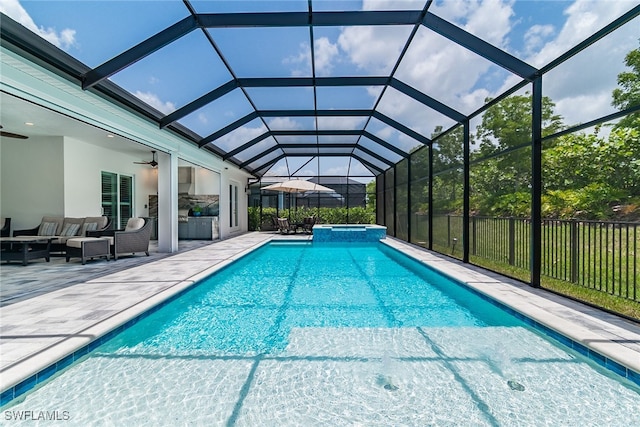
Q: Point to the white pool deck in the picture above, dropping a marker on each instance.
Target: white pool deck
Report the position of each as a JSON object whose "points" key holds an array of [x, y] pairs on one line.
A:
{"points": [[38, 331]]}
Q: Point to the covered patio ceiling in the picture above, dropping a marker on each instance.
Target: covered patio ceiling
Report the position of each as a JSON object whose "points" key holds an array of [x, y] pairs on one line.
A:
{"points": [[264, 86]]}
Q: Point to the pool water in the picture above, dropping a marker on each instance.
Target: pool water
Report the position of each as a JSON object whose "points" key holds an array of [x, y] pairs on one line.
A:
{"points": [[334, 334]]}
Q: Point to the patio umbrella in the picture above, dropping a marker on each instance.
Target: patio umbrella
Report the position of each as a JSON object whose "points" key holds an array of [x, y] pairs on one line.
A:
{"points": [[297, 186]]}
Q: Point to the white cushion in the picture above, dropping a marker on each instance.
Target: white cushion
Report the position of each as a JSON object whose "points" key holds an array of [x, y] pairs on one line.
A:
{"points": [[76, 242], [134, 224]]}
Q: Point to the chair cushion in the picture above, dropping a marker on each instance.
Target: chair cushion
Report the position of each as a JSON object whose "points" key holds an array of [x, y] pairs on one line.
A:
{"points": [[48, 229], [70, 229], [88, 226], [101, 221], [76, 242], [134, 224]]}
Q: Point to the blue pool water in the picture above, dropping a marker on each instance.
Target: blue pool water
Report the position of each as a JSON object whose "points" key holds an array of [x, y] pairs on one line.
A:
{"points": [[334, 334]]}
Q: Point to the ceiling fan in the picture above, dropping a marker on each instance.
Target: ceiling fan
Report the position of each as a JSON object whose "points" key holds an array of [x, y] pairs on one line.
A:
{"points": [[152, 162], [11, 135]]}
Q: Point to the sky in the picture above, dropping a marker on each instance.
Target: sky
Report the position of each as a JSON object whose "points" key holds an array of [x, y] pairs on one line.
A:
{"points": [[533, 31]]}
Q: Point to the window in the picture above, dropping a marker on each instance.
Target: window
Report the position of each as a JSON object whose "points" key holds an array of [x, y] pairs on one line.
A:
{"points": [[233, 205], [117, 198]]}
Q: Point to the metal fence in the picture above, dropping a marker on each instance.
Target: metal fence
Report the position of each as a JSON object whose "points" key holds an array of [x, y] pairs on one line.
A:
{"points": [[601, 255]]}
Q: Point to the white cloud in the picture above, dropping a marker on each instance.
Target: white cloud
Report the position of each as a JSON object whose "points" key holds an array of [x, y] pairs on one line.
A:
{"points": [[536, 36], [284, 123], [240, 136], [374, 49], [301, 62], [347, 122], [278, 170], [581, 87], [325, 54], [63, 39], [153, 100], [392, 4]]}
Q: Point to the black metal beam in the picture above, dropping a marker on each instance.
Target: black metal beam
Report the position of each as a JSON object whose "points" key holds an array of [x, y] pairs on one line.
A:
{"points": [[330, 132], [229, 128], [316, 146], [367, 164], [385, 144], [218, 92], [374, 155], [535, 251], [265, 135], [260, 155], [246, 145], [139, 51], [427, 100], [466, 190], [310, 81], [479, 46], [402, 128], [269, 163], [304, 19], [313, 113]]}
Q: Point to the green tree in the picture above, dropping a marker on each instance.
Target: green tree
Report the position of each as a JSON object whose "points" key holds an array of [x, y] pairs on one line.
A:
{"points": [[604, 174], [371, 195], [447, 170], [628, 94], [501, 169]]}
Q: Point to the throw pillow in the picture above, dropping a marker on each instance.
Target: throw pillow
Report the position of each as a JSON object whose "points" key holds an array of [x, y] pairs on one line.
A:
{"points": [[70, 229], [88, 226], [48, 229]]}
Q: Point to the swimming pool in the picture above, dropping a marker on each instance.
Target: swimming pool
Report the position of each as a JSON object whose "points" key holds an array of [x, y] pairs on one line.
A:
{"points": [[306, 334]]}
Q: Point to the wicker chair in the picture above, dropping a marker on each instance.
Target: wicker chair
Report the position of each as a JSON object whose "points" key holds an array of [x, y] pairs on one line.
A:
{"points": [[133, 238], [308, 223], [285, 227]]}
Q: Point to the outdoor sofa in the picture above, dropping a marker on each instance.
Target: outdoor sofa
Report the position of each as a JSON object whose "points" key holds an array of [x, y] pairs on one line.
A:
{"points": [[65, 228]]}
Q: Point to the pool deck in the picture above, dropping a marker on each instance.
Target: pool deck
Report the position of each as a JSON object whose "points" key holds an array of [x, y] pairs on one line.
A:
{"points": [[40, 328]]}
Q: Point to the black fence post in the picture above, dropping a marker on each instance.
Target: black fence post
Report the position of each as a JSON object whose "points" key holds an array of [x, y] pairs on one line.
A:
{"points": [[448, 230], [574, 250], [473, 235], [512, 240]]}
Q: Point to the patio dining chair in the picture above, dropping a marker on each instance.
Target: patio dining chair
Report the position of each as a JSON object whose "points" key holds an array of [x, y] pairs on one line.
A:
{"points": [[308, 223], [285, 227]]}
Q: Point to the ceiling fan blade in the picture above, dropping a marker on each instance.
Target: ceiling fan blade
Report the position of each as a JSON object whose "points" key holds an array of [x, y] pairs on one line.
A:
{"points": [[151, 162], [12, 135]]}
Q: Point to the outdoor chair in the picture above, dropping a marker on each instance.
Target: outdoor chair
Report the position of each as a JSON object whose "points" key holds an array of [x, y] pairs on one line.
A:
{"points": [[6, 227], [133, 238], [308, 223], [284, 227]]}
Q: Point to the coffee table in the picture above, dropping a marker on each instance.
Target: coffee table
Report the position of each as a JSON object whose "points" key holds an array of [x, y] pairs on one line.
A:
{"points": [[24, 248]]}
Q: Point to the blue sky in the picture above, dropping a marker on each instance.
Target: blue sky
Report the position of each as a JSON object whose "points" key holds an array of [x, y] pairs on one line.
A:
{"points": [[534, 31]]}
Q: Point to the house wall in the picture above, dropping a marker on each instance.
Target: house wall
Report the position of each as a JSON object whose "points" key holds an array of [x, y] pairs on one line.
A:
{"points": [[31, 179], [82, 178], [207, 182]]}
